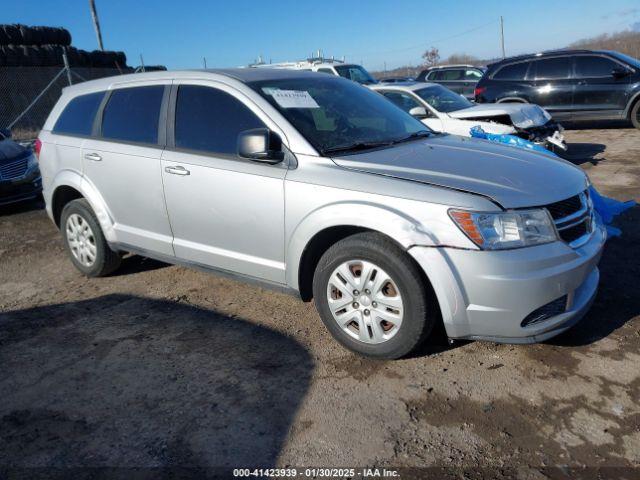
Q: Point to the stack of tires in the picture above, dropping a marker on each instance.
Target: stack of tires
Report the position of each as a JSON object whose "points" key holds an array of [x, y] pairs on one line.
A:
{"points": [[23, 46]]}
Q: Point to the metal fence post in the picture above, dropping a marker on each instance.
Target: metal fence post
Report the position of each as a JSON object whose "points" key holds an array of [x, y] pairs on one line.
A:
{"points": [[66, 65]]}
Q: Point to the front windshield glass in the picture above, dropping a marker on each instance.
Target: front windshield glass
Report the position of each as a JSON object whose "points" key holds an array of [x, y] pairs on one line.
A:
{"points": [[355, 73], [338, 116], [443, 99]]}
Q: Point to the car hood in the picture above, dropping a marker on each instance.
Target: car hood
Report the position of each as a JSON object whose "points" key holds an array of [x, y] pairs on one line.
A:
{"points": [[11, 151], [523, 115], [512, 177]]}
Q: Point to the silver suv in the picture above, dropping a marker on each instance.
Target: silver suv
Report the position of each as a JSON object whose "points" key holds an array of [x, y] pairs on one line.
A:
{"points": [[316, 185]]}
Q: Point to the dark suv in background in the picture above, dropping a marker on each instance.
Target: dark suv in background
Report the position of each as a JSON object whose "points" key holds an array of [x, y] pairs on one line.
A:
{"points": [[573, 85], [461, 79]]}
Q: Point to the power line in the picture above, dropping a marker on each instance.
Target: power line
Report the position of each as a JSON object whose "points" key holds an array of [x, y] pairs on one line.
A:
{"points": [[424, 44]]}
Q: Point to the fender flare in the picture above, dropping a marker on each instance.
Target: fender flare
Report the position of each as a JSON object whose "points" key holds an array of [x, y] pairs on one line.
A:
{"points": [[73, 179], [512, 100], [401, 228], [630, 103]]}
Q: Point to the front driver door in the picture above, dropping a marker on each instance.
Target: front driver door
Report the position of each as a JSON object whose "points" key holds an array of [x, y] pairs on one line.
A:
{"points": [[226, 212]]}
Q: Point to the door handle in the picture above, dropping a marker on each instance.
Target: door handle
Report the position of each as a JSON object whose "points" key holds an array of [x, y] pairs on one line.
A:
{"points": [[93, 156], [177, 170]]}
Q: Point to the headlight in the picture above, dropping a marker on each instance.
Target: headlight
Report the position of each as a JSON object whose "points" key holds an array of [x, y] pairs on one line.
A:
{"points": [[32, 163], [514, 229]]}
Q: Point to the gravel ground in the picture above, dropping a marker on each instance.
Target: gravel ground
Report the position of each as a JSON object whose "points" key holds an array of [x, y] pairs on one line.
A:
{"points": [[161, 366]]}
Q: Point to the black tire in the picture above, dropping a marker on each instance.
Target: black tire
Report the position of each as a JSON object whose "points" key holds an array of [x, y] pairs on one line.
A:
{"points": [[106, 260], [419, 315], [634, 115]]}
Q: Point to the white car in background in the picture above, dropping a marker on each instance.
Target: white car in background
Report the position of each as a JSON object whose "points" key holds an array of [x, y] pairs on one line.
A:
{"points": [[445, 111]]}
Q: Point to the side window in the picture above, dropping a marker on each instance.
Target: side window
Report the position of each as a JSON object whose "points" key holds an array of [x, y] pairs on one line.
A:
{"points": [[451, 75], [433, 75], [472, 75], [326, 70], [593, 66], [515, 71], [78, 116], [550, 68], [132, 114], [402, 100], [209, 120]]}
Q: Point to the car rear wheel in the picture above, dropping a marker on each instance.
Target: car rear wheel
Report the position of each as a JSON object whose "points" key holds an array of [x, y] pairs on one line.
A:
{"points": [[85, 242], [635, 114], [371, 297]]}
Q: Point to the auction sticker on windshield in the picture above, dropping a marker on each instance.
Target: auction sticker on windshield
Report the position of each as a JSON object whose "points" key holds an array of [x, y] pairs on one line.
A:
{"points": [[294, 99]]}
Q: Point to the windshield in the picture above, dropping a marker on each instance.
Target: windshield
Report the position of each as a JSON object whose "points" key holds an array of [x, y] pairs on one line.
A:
{"points": [[355, 73], [630, 60], [443, 99], [336, 115]]}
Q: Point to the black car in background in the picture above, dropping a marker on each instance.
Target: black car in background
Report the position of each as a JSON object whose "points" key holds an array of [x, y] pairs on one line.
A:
{"points": [[461, 79], [572, 85], [19, 173]]}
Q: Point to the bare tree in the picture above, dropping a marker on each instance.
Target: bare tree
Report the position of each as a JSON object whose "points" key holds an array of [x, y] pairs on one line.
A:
{"points": [[462, 58], [431, 57]]}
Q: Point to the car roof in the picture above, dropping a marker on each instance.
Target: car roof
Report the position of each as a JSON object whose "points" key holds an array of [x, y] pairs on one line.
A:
{"points": [[461, 65], [546, 53], [244, 75], [405, 86]]}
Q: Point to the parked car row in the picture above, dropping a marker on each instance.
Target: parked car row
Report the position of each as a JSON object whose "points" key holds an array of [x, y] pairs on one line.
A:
{"points": [[317, 186], [19, 174]]}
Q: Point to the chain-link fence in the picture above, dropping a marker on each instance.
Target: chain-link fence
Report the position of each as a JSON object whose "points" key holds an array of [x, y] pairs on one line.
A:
{"points": [[27, 94]]}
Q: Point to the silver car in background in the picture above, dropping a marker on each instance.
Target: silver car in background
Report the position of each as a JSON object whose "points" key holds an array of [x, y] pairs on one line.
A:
{"points": [[316, 185]]}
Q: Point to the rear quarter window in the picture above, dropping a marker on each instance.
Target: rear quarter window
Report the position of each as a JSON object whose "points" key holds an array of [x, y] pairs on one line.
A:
{"points": [[78, 116]]}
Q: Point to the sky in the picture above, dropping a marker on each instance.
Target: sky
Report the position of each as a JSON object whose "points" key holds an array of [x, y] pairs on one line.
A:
{"points": [[391, 33]]}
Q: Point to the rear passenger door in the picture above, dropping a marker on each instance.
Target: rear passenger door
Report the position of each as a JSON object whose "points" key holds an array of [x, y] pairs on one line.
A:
{"points": [[123, 162], [553, 85], [226, 212], [453, 79]]}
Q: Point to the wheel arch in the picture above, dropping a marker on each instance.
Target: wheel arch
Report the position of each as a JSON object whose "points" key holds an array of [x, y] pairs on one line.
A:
{"points": [[69, 186], [323, 228]]}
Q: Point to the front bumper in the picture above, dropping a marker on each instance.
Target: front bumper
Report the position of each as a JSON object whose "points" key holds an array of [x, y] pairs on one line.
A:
{"points": [[485, 295], [21, 189]]}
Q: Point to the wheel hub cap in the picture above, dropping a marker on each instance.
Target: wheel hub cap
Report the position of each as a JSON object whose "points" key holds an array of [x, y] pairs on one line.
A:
{"points": [[365, 301], [81, 240]]}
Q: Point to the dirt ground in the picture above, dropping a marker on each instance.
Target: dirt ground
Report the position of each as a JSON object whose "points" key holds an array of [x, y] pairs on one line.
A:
{"points": [[161, 366]]}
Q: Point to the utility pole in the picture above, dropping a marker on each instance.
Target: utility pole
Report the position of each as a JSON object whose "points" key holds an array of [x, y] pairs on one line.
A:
{"points": [[204, 62], [502, 35], [96, 23]]}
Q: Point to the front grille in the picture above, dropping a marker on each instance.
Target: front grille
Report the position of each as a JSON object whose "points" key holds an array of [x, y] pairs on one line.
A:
{"points": [[564, 208], [549, 310], [572, 234], [13, 170], [573, 217]]}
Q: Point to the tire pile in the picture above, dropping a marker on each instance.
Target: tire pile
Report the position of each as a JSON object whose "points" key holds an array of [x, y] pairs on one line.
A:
{"points": [[21, 45]]}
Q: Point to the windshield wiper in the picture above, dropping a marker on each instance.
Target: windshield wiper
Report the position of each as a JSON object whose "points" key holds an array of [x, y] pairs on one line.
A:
{"points": [[353, 147], [413, 136]]}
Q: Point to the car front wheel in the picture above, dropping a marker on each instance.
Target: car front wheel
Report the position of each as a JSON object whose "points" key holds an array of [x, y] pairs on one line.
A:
{"points": [[372, 297]]}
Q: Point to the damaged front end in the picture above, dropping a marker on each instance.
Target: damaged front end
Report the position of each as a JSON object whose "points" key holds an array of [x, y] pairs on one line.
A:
{"points": [[549, 135], [529, 122]]}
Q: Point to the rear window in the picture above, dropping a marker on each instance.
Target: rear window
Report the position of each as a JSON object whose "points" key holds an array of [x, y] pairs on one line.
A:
{"points": [[515, 71], [550, 68], [594, 66], [78, 116], [132, 114]]}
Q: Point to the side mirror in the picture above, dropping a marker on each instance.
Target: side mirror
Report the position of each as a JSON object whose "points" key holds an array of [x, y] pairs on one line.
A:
{"points": [[418, 112], [620, 72], [5, 132], [260, 145]]}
